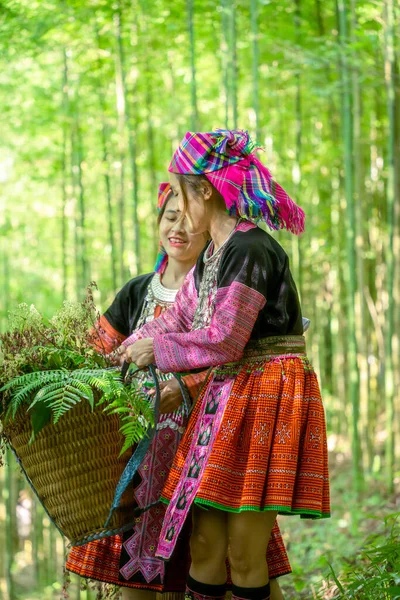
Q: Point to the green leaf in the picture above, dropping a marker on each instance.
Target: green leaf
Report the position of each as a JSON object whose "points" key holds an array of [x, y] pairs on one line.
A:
{"points": [[39, 418], [336, 580], [30, 377]]}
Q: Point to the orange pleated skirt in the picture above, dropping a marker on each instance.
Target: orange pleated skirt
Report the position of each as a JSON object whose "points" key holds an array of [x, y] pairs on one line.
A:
{"points": [[270, 450]]}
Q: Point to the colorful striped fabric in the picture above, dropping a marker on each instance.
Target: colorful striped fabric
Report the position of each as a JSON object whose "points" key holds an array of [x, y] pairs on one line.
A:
{"points": [[164, 191], [227, 159]]}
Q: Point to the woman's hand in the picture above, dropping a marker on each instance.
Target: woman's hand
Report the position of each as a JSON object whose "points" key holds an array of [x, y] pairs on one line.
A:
{"points": [[141, 353], [171, 396], [119, 355]]}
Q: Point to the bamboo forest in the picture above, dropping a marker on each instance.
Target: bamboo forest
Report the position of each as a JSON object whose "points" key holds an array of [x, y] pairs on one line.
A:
{"points": [[95, 96]]}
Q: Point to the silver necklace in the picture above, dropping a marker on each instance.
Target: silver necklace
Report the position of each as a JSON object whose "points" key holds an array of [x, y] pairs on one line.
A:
{"points": [[207, 254], [160, 292], [157, 295], [209, 285]]}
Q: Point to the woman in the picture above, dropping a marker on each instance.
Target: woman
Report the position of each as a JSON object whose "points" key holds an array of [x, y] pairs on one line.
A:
{"points": [[129, 560], [255, 445]]}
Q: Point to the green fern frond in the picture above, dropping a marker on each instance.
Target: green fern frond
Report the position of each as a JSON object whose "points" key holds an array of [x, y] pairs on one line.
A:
{"points": [[96, 378], [134, 427], [43, 376], [47, 392], [21, 395], [60, 390], [62, 396], [64, 402], [63, 353], [86, 391], [120, 410], [100, 373], [133, 432], [25, 385], [135, 412]]}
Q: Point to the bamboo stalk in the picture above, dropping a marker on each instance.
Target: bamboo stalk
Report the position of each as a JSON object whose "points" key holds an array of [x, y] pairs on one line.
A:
{"points": [[255, 66], [10, 507], [82, 202], [120, 106], [64, 222], [106, 170], [390, 259], [296, 243], [193, 85], [235, 70], [78, 274], [225, 59], [131, 135], [362, 323], [150, 126], [107, 182], [347, 128]]}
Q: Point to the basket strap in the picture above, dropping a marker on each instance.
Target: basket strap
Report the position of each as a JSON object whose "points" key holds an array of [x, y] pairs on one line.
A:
{"points": [[137, 457], [185, 394], [141, 450], [124, 369], [139, 454]]}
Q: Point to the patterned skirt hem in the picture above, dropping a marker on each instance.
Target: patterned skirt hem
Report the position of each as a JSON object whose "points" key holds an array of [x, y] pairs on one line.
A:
{"points": [[304, 513], [111, 581]]}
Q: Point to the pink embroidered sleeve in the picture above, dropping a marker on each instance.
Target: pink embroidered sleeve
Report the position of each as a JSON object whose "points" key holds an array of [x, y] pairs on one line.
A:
{"points": [[241, 293], [236, 311], [178, 318]]}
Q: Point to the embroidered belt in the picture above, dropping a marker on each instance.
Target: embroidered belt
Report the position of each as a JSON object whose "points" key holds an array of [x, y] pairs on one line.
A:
{"points": [[270, 347]]}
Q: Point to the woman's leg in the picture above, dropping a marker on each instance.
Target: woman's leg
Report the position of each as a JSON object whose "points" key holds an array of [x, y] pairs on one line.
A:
{"points": [[134, 594], [209, 545], [248, 535], [276, 592]]}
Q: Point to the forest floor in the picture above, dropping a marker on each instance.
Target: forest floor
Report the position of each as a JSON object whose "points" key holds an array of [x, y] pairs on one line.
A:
{"points": [[314, 547], [317, 547]]}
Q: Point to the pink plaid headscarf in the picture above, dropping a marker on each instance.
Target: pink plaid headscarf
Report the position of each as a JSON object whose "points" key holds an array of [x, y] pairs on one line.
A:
{"points": [[164, 191], [227, 159]]}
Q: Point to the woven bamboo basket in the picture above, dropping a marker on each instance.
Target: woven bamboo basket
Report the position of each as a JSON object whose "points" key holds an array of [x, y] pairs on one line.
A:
{"points": [[74, 467]]}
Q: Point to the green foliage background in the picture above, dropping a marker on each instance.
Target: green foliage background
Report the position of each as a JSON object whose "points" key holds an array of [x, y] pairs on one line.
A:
{"points": [[94, 97]]}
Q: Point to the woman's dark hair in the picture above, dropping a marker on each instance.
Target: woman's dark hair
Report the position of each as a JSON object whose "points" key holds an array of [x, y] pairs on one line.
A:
{"points": [[194, 183], [185, 181]]}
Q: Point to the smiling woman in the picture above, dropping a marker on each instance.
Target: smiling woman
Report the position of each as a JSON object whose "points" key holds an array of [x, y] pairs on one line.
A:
{"points": [[178, 244], [128, 560]]}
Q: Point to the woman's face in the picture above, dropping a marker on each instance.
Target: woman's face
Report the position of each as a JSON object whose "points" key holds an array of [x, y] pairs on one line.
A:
{"points": [[195, 216], [175, 237]]}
